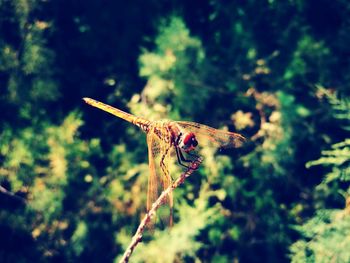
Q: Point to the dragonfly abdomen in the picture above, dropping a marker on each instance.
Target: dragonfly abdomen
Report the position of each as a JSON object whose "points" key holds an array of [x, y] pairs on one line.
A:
{"points": [[140, 122]]}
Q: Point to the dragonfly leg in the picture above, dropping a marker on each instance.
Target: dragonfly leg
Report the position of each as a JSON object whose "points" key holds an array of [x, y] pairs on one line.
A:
{"points": [[181, 158]]}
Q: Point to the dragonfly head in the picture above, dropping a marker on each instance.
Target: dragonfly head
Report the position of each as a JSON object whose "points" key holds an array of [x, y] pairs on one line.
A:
{"points": [[188, 142]]}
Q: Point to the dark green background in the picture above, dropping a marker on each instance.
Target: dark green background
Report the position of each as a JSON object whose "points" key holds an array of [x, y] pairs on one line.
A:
{"points": [[74, 179]]}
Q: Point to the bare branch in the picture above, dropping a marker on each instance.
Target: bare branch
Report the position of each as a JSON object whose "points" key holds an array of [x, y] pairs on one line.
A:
{"points": [[12, 195], [138, 235]]}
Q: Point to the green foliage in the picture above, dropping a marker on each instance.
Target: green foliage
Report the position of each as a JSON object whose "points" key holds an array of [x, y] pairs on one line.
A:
{"points": [[40, 162], [340, 107], [326, 234], [326, 238], [174, 69], [308, 54]]}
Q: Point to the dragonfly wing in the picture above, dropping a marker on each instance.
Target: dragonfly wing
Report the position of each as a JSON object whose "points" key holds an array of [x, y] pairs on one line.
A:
{"points": [[159, 177], [206, 134], [153, 152], [165, 153]]}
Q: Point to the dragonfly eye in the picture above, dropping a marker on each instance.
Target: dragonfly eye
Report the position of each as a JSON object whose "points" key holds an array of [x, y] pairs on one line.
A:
{"points": [[190, 141], [194, 142]]}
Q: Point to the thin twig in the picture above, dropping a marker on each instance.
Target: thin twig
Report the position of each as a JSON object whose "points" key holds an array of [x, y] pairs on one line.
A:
{"points": [[138, 235], [11, 195]]}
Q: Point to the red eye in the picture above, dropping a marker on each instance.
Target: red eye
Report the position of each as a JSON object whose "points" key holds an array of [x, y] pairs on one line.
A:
{"points": [[190, 139]]}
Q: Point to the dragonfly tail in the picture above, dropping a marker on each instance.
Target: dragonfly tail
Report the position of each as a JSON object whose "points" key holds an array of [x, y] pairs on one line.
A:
{"points": [[140, 122]]}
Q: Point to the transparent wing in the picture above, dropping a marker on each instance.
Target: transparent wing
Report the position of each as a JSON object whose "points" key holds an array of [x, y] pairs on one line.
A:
{"points": [[159, 177], [153, 181], [206, 134]]}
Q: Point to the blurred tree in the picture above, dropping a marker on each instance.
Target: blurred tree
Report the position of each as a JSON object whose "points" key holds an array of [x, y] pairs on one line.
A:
{"points": [[326, 234]]}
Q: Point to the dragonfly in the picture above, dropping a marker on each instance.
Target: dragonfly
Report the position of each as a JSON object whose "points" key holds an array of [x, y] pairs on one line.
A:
{"points": [[166, 138]]}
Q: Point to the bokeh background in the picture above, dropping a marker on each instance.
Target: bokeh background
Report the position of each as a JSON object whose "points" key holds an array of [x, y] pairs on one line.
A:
{"points": [[74, 179]]}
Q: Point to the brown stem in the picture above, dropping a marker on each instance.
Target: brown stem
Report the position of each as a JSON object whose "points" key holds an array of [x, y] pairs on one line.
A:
{"points": [[138, 235], [12, 195]]}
